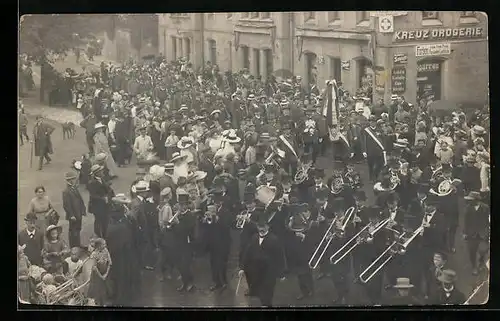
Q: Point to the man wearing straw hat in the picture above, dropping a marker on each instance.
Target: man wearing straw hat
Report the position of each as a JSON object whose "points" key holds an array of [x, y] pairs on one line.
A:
{"points": [[403, 295], [74, 207]]}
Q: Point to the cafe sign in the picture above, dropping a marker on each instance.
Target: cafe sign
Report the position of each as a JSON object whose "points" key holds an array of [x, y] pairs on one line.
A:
{"points": [[439, 34], [435, 49], [398, 80]]}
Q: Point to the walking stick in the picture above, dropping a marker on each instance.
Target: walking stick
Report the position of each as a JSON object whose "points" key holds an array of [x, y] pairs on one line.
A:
{"points": [[31, 154], [238, 286]]}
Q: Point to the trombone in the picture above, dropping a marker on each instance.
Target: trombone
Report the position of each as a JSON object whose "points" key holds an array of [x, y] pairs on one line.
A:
{"points": [[365, 235], [327, 239]]}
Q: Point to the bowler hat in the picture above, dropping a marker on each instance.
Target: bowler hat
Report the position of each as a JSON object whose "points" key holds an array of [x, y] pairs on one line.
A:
{"points": [[30, 217]]}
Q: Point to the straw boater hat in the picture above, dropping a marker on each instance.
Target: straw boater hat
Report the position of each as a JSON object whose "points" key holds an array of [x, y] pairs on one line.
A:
{"points": [[121, 199], [403, 283], [168, 166], [185, 142], [478, 130], [177, 157], [99, 125], [183, 108], [401, 143], [166, 191], [141, 186], [232, 138], [216, 111]]}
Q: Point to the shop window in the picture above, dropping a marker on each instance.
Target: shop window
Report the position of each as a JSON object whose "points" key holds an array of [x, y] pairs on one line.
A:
{"points": [[429, 79], [333, 16], [429, 15], [309, 16]]}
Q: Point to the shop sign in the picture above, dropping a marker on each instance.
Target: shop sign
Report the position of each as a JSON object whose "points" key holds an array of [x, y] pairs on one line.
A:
{"points": [[386, 24], [400, 59], [398, 80], [436, 49], [439, 34], [388, 13], [345, 64], [380, 79], [321, 60], [428, 67]]}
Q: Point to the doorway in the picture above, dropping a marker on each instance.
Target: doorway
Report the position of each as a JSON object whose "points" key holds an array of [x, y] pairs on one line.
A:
{"points": [[269, 62], [173, 40], [429, 76], [310, 60], [246, 57], [212, 45], [256, 59]]}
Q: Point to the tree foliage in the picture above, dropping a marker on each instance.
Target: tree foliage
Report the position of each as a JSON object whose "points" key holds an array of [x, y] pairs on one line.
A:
{"points": [[46, 37]]}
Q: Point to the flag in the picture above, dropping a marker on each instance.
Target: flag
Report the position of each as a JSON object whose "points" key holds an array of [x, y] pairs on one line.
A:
{"points": [[331, 107]]}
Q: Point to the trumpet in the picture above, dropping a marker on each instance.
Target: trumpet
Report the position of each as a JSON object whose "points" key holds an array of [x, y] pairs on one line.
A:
{"points": [[333, 230], [242, 219]]}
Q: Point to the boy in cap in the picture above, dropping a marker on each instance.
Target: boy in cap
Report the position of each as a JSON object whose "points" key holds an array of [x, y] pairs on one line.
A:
{"points": [[74, 207]]}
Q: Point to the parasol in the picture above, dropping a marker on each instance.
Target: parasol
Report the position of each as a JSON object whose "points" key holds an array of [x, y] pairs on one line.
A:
{"points": [[442, 107]]}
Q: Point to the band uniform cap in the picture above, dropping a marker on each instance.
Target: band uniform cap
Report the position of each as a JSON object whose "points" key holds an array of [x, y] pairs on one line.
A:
{"points": [[100, 157], [30, 217], [69, 175], [447, 276], [141, 186], [166, 191], [478, 130], [473, 196], [121, 199], [96, 168], [99, 125], [403, 283]]}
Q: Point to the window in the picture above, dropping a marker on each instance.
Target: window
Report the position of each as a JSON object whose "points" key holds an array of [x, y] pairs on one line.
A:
{"points": [[333, 16], [429, 15], [173, 40], [254, 15], [229, 15], [335, 68], [212, 49], [188, 48], [309, 15], [269, 62], [467, 14], [265, 15], [256, 59], [244, 15], [246, 57]]}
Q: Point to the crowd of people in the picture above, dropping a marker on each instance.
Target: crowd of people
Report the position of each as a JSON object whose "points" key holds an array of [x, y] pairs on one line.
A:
{"points": [[217, 152]]}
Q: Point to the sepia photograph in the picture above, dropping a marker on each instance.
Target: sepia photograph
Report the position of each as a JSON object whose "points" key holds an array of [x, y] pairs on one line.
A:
{"points": [[254, 159]]}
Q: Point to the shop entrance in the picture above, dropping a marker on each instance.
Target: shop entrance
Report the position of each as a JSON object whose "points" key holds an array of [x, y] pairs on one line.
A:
{"points": [[429, 79]]}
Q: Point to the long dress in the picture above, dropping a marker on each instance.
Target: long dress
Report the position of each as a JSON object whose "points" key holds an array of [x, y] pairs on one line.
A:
{"points": [[24, 288], [98, 288], [101, 146]]}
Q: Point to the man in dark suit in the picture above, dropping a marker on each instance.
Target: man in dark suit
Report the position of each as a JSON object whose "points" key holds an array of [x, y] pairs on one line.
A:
{"points": [[42, 141], [373, 148], [89, 124], [263, 259], [100, 193], [476, 229], [447, 294], [74, 207], [33, 238], [432, 271], [319, 185]]}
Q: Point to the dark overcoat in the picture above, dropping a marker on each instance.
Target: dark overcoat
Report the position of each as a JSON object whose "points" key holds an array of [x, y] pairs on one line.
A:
{"points": [[41, 137]]}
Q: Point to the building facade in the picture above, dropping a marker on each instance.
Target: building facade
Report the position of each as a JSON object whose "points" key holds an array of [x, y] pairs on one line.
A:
{"points": [[443, 54], [417, 53]]}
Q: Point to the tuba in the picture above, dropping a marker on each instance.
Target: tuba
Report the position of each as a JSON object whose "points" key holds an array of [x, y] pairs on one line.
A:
{"points": [[337, 184], [302, 173]]}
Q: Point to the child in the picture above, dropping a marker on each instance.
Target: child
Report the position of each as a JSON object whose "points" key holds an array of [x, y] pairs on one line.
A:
{"points": [[48, 285], [23, 274], [73, 262], [171, 144], [54, 250], [445, 153]]}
